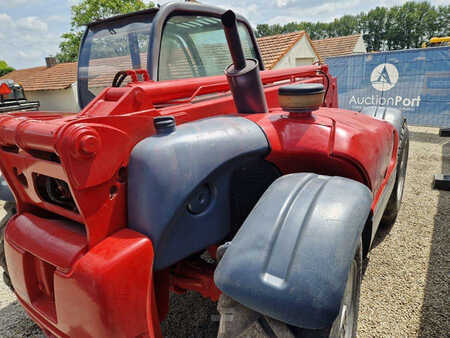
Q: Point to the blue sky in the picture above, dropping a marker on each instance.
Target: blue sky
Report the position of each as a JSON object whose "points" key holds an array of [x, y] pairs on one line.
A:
{"points": [[30, 30]]}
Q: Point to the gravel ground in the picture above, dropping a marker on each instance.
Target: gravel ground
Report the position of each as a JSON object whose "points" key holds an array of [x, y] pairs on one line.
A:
{"points": [[405, 287]]}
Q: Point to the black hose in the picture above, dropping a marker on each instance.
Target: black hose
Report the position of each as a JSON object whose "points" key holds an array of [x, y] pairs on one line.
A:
{"points": [[328, 83], [119, 78]]}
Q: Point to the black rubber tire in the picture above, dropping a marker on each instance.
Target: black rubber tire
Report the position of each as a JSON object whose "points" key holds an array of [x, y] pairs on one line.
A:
{"points": [[10, 208], [393, 207], [239, 321]]}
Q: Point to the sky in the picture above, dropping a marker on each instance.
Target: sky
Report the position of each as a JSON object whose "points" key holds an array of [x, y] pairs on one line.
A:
{"points": [[30, 30]]}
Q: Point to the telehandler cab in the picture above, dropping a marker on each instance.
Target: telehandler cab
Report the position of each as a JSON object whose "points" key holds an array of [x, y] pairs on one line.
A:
{"points": [[171, 160]]}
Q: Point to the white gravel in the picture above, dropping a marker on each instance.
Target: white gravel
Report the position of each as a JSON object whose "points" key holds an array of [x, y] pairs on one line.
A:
{"points": [[405, 289], [405, 286]]}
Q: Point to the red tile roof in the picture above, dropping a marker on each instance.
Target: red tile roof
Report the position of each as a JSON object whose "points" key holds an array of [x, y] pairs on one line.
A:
{"points": [[60, 76], [343, 45], [274, 47]]}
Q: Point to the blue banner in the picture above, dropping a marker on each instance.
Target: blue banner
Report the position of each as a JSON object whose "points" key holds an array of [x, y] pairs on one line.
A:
{"points": [[417, 81]]}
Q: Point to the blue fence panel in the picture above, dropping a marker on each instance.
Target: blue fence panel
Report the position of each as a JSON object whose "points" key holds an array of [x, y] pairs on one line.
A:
{"points": [[417, 81]]}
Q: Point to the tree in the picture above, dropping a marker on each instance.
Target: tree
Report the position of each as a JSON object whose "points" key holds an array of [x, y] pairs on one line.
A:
{"points": [[374, 28], [88, 11], [68, 48], [398, 27], [346, 25], [4, 68]]}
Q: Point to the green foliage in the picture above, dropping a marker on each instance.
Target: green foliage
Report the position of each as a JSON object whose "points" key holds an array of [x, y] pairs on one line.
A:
{"points": [[4, 68], [88, 11], [92, 10], [68, 48], [398, 27]]}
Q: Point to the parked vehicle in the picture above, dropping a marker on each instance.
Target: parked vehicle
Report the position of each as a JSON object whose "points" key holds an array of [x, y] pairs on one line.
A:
{"points": [[12, 98], [258, 170], [437, 42]]}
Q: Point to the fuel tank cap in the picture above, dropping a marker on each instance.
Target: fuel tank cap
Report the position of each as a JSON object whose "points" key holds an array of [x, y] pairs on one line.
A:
{"points": [[302, 97], [164, 124]]}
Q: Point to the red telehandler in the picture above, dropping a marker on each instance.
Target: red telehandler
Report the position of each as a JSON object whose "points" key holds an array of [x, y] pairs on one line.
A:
{"points": [[250, 187]]}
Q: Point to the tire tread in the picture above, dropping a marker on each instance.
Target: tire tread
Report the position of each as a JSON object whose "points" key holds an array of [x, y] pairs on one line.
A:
{"points": [[10, 209]]}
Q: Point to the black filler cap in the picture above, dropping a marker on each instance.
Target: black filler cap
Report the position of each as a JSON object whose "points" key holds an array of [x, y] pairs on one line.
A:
{"points": [[164, 124], [301, 89]]}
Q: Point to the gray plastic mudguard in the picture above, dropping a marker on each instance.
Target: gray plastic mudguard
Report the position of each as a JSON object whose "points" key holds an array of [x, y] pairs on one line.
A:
{"points": [[192, 166], [392, 115], [5, 192], [291, 257]]}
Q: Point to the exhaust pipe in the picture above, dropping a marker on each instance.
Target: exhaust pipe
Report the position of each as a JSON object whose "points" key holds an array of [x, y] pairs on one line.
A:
{"points": [[243, 74]]}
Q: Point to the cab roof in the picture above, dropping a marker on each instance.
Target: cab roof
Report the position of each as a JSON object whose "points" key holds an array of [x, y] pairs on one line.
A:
{"points": [[185, 7]]}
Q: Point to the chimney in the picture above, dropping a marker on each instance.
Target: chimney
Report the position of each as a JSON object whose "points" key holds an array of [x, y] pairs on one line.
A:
{"points": [[50, 61]]}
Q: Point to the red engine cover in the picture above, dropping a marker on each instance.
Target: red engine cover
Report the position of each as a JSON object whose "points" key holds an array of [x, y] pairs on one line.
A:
{"points": [[331, 142]]}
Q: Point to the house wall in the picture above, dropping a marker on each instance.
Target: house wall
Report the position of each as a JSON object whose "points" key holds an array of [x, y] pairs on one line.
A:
{"points": [[301, 54], [360, 46], [63, 100]]}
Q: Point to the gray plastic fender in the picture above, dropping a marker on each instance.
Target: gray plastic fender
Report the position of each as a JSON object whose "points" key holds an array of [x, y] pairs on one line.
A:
{"points": [[392, 115], [5, 192], [291, 257]]}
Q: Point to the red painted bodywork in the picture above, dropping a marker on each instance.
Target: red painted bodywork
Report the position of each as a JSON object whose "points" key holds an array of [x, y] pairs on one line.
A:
{"points": [[79, 271]]}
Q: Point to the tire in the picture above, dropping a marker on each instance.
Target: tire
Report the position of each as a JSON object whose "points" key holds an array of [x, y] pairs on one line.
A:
{"points": [[238, 321], [10, 208], [395, 200]]}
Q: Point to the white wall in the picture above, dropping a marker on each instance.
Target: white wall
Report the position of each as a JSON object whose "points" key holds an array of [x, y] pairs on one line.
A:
{"points": [[302, 51], [360, 46], [64, 100]]}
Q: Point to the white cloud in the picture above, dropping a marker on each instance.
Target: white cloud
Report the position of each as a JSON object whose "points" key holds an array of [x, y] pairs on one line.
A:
{"points": [[29, 55], [27, 40], [17, 3], [56, 19], [5, 21], [315, 11], [32, 23], [29, 23], [283, 3], [13, 3], [281, 19], [248, 12]]}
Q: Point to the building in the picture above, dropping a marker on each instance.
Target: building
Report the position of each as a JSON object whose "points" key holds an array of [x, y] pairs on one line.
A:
{"points": [[340, 46], [53, 85], [287, 50]]}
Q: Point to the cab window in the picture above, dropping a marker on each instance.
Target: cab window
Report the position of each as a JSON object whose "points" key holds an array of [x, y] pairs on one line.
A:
{"points": [[193, 46]]}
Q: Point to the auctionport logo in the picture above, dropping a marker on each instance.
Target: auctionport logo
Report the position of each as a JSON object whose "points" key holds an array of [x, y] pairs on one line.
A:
{"points": [[384, 77]]}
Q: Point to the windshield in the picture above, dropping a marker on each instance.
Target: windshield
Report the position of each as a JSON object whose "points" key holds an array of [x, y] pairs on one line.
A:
{"points": [[112, 47]]}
